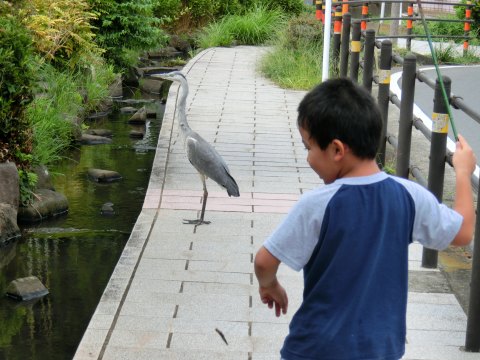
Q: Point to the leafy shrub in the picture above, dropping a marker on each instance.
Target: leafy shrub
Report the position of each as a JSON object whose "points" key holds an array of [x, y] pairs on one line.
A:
{"points": [[62, 31], [126, 26], [292, 7], [195, 14], [302, 29], [167, 10], [27, 182], [202, 9], [16, 83]]}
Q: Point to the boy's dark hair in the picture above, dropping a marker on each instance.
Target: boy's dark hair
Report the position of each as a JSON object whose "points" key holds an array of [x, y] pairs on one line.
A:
{"points": [[340, 109]]}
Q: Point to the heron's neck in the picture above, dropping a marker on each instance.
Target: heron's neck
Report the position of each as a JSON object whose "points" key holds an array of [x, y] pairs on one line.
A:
{"points": [[182, 107]]}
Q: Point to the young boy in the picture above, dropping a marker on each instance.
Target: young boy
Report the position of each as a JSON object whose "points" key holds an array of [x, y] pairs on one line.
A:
{"points": [[351, 235]]}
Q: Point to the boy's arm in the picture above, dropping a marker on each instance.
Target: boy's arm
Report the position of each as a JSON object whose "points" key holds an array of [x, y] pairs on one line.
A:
{"points": [[271, 292], [464, 164]]}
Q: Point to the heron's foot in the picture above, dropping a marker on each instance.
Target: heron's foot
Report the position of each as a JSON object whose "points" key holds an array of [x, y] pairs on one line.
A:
{"points": [[196, 222]]}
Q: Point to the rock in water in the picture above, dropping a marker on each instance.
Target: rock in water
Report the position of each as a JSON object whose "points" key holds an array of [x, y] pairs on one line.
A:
{"points": [[140, 117], [107, 209], [103, 176], [46, 204], [26, 288]]}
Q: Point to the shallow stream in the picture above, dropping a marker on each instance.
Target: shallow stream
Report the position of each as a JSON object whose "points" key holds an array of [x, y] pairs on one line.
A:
{"points": [[74, 255]]}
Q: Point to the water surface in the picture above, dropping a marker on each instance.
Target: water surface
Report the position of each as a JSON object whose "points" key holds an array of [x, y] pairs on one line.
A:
{"points": [[74, 255]]}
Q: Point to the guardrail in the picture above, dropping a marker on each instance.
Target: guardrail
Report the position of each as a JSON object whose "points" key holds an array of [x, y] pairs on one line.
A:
{"points": [[342, 7], [345, 49]]}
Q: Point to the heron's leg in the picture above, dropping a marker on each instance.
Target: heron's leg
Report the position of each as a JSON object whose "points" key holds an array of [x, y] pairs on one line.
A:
{"points": [[200, 220], [204, 203]]}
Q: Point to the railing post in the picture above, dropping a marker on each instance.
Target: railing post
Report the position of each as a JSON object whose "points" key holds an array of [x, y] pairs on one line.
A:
{"points": [[337, 33], [344, 46], [364, 16], [466, 27], [409, 26], [355, 50], [472, 340], [318, 10], [438, 153], [368, 55], [383, 97], [406, 115]]}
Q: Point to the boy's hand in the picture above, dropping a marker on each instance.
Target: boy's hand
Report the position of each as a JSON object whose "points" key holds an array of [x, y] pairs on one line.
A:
{"points": [[464, 164], [274, 295], [463, 160]]}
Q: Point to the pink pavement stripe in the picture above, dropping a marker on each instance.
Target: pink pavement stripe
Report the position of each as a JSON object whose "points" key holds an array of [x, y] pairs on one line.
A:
{"points": [[222, 194], [181, 199], [228, 201], [154, 192], [180, 206], [211, 194], [273, 202], [219, 201], [229, 208], [257, 195], [151, 202], [212, 207], [271, 209], [232, 200]]}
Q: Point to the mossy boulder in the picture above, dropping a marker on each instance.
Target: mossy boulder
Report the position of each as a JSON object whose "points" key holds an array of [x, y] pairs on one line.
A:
{"points": [[46, 204]]}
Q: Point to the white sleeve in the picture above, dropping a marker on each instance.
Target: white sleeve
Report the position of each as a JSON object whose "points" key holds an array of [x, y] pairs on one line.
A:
{"points": [[294, 240], [435, 225]]}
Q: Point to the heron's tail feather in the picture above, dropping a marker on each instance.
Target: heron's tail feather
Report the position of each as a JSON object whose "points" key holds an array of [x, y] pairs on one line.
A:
{"points": [[231, 186]]}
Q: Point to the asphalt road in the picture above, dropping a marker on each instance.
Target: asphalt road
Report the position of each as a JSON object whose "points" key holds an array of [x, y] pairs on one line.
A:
{"points": [[465, 83], [456, 263]]}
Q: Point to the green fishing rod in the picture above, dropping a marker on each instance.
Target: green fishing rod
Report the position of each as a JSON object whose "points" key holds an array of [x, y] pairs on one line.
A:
{"points": [[437, 69]]}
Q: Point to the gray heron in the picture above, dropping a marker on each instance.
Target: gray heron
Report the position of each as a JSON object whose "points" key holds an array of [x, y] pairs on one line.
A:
{"points": [[203, 156]]}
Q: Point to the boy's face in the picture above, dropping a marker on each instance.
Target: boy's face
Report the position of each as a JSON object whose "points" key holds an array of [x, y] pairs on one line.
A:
{"points": [[321, 161]]}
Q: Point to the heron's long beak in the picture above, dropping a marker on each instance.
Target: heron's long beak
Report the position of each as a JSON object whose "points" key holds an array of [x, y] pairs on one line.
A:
{"points": [[160, 76]]}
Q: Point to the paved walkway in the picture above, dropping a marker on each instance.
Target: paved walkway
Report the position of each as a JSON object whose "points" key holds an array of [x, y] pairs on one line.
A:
{"points": [[174, 290]]}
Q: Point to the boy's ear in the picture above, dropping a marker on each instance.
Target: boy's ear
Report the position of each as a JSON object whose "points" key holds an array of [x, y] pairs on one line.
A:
{"points": [[339, 149]]}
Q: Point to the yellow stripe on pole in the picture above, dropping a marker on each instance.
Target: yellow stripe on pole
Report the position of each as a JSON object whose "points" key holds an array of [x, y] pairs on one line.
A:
{"points": [[384, 76], [356, 46], [440, 123]]}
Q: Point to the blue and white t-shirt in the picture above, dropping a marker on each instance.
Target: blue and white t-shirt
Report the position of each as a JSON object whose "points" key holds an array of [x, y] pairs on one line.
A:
{"points": [[351, 239]]}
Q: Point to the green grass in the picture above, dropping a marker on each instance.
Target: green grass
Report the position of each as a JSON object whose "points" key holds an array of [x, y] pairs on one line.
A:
{"points": [[255, 27], [293, 68], [54, 113], [52, 133], [96, 84], [295, 61]]}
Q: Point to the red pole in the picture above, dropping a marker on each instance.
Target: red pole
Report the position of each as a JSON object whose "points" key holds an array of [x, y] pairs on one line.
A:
{"points": [[364, 16], [409, 25], [466, 27]]}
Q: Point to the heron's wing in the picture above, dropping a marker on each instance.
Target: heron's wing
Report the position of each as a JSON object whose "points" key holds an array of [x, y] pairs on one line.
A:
{"points": [[208, 162]]}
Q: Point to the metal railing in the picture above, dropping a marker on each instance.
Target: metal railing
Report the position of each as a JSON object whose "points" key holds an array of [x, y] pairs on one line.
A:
{"points": [[342, 7]]}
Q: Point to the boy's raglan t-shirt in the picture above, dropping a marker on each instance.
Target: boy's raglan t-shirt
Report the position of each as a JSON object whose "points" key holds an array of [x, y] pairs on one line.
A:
{"points": [[351, 239]]}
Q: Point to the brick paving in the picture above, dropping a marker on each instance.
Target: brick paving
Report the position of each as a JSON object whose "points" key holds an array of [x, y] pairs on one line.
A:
{"points": [[175, 291]]}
